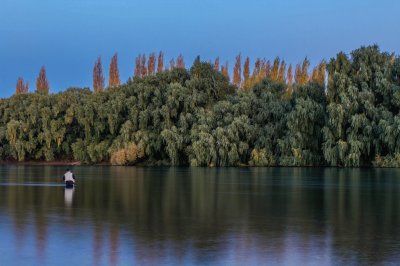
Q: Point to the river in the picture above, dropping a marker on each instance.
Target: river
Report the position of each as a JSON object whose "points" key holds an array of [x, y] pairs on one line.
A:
{"points": [[199, 216]]}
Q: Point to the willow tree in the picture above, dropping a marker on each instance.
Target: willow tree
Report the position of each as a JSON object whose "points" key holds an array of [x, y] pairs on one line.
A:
{"points": [[303, 140], [361, 100]]}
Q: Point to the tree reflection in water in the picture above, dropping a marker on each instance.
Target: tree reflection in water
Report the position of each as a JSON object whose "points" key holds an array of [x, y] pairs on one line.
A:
{"points": [[131, 215]]}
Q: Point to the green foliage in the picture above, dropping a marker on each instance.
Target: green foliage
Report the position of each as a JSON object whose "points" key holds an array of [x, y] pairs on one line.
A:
{"points": [[362, 108], [302, 143], [387, 161], [198, 118], [262, 157]]}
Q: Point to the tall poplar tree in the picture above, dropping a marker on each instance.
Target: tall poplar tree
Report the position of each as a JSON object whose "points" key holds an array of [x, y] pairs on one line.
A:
{"points": [[216, 64], [304, 72], [98, 78], [282, 72], [21, 86], [151, 64], [114, 73], [42, 84], [257, 68], [143, 68], [237, 71], [160, 62], [289, 81], [297, 74], [172, 64], [267, 69], [321, 73], [180, 63], [225, 70], [138, 66], [275, 69], [246, 70]]}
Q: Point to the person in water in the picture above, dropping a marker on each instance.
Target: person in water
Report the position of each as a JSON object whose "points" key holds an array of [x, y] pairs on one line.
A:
{"points": [[69, 179]]}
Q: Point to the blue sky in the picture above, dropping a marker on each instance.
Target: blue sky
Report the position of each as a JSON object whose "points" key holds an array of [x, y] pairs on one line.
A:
{"points": [[67, 35]]}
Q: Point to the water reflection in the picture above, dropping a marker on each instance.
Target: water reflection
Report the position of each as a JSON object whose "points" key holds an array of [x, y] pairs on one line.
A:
{"points": [[68, 196], [199, 216]]}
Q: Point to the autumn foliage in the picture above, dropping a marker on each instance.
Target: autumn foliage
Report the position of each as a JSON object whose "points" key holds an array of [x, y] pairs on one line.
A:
{"points": [[114, 80], [42, 84], [98, 78], [216, 64], [128, 155], [237, 71], [151, 64], [21, 86], [160, 63], [244, 76], [180, 63]]}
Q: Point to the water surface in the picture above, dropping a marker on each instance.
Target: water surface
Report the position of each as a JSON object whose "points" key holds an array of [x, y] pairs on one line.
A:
{"points": [[192, 216]]}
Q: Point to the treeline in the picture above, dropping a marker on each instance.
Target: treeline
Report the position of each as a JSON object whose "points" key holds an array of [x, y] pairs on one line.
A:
{"points": [[198, 117]]}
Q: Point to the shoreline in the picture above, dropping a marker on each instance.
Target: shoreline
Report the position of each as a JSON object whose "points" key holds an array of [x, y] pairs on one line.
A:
{"points": [[79, 163], [51, 163]]}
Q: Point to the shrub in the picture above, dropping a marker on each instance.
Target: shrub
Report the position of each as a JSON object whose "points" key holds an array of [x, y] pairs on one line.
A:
{"points": [[127, 156]]}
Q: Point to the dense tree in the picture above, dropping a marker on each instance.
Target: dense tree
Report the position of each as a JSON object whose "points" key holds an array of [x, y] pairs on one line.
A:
{"points": [[197, 117], [362, 109], [302, 143], [98, 78]]}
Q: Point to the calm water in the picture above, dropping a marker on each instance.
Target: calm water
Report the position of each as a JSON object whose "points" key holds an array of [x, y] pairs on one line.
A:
{"points": [[192, 216]]}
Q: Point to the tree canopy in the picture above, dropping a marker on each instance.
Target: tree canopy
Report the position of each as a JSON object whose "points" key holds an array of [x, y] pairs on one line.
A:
{"points": [[344, 113]]}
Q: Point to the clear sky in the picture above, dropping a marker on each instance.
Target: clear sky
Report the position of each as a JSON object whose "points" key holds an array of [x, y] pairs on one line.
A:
{"points": [[67, 35]]}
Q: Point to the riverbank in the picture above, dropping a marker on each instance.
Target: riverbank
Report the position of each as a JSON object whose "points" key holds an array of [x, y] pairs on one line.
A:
{"points": [[52, 163]]}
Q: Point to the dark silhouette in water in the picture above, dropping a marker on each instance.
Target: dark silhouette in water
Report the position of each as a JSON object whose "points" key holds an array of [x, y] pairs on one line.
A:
{"points": [[69, 179]]}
